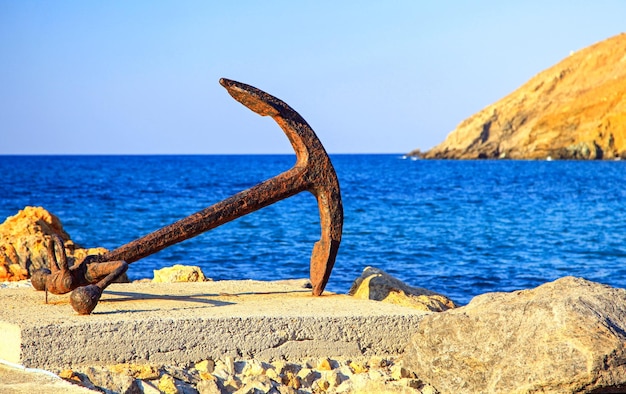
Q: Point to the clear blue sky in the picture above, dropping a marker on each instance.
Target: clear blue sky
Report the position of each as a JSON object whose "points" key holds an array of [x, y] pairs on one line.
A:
{"points": [[141, 77]]}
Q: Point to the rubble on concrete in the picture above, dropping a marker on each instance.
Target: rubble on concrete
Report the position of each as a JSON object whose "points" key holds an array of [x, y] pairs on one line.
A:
{"points": [[228, 375]]}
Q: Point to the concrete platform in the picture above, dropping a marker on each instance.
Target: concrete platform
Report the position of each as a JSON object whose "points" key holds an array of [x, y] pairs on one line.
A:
{"points": [[180, 323]]}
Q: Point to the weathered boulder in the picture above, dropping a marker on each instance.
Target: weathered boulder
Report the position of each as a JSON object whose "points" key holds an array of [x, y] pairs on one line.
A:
{"points": [[573, 110], [179, 273], [375, 284], [567, 336], [24, 240]]}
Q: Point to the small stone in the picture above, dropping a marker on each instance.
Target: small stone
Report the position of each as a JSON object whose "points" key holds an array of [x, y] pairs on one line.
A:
{"points": [[307, 376], [102, 377], [290, 379], [375, 374], [272, 374], [181, 374], [232, 384], [279, 365], [137, 371], [345, 370], [77, 378], [428, 389], [324, 365], [398, 372], [309, 363], [147, 387], [258, 384], [207, 376], [178, 273], [224, 368], [205, 366], [413, 383], [377, 362], [67, 374], [208, 387], [283, 389], [295, 368], [229, 362], [334, 378], [321, 385], [357, 367], [253, 368], [220, 372], [167, 385]]}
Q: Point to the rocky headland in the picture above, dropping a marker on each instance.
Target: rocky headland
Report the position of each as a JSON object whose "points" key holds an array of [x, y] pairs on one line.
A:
{"points": [[573, 110]]}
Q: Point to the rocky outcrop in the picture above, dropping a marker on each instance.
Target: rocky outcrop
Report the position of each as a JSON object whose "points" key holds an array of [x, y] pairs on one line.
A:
{"points": [[573, 110], [24, 240], [375, 284], [567, 336]]}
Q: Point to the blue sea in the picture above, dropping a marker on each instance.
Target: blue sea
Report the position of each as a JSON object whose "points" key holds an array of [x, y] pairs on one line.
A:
{"points": [[461, 228]]}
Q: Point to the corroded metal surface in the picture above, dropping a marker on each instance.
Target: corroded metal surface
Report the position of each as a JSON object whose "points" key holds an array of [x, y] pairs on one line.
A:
{"points": [[312, 172]]}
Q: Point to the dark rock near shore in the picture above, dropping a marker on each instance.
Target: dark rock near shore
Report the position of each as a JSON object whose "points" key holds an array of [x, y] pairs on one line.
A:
{"points": [[567, 336], [375, 284]]}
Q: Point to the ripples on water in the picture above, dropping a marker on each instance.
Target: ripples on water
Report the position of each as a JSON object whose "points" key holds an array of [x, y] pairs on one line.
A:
{"points": [[458, 227]]}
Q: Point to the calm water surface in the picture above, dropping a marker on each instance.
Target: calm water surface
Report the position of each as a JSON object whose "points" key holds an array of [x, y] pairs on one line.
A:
{"points": [[458, 227]]}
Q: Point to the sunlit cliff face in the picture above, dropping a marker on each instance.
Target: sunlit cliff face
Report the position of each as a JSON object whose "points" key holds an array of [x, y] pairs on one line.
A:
{"points": [[573, 110]]}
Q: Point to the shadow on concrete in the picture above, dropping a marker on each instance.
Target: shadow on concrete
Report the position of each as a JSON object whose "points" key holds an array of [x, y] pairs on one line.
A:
{"points": [[135, 296]]}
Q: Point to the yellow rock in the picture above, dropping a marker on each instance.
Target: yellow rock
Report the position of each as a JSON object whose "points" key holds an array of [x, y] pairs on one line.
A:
{"points": [[66, 374], [377, 362], [179, 273], [204, 375], [398, 372], [167, 385], [290, 379], [138, 371], [357, 367], [232, 384], [272, 374], [324, 365], [333, 378], [205, 366], [69, 375], [280, 366], [253, 368], [322, 384], [24, 238]]}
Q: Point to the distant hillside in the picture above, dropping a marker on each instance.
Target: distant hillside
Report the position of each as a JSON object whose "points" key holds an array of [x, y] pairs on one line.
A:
{"points": [[573, 110]]}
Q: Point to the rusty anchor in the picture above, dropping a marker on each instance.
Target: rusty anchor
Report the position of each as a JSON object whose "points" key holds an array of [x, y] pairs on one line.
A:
{"points": [[313, 171]]}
